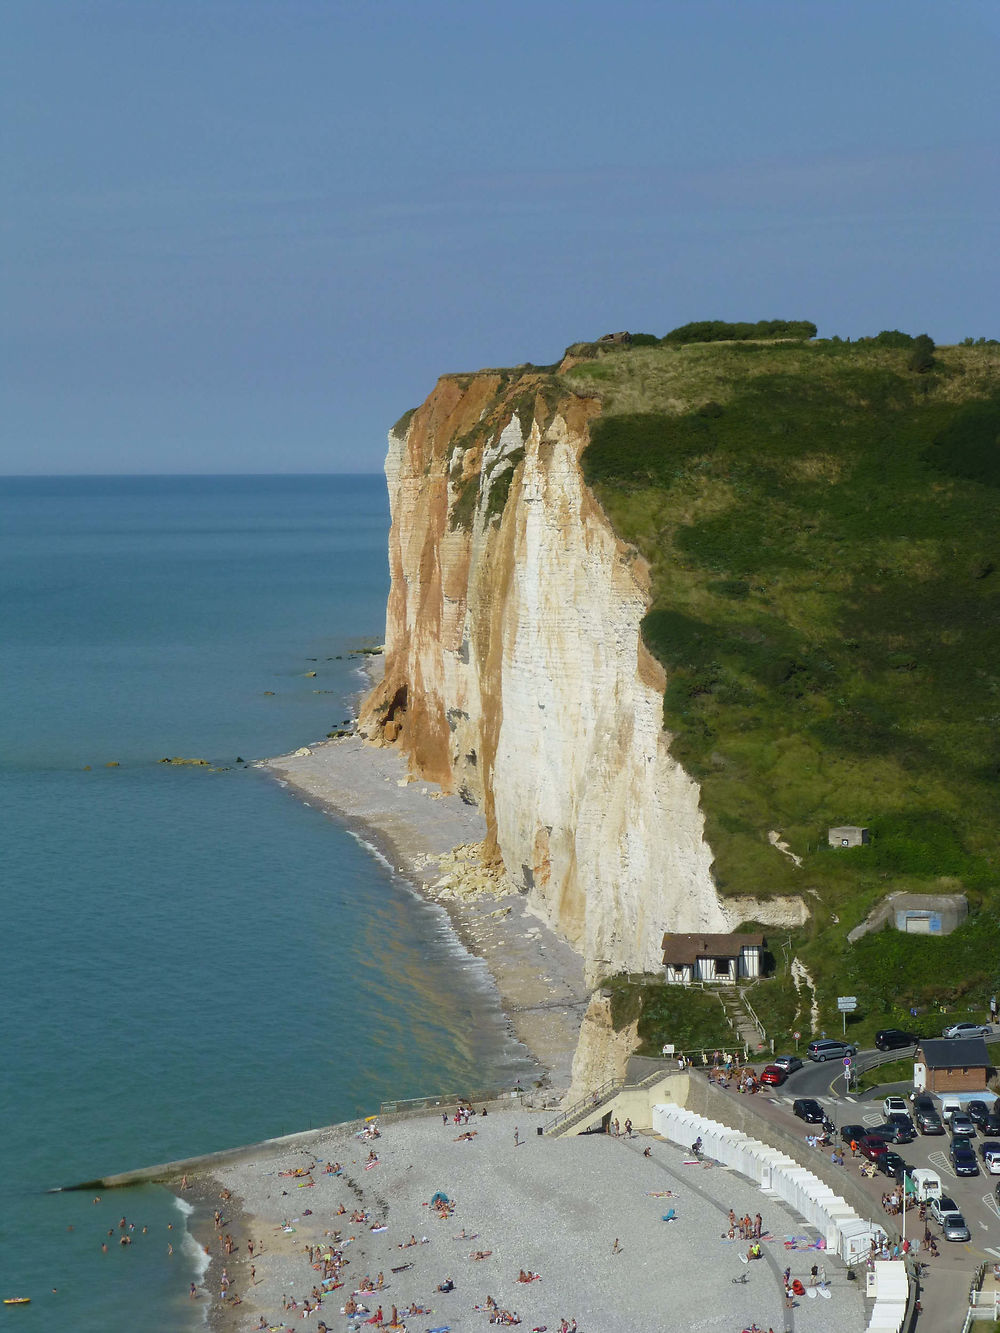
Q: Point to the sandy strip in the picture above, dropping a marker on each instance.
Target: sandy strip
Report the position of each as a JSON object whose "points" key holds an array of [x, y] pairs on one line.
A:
{"points": [[552, 1206], [538, 976]]}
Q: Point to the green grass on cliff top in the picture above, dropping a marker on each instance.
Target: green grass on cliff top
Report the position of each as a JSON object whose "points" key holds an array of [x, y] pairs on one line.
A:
{"points": [[823, 527]]}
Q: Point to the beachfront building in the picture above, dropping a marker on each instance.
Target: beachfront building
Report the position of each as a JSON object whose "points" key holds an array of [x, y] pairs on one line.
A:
{"points": [[957, 1064], [718, 958]]}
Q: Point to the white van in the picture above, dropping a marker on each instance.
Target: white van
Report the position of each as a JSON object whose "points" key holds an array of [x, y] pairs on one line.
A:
{"points": [[949, 1105], [926, 1185]]}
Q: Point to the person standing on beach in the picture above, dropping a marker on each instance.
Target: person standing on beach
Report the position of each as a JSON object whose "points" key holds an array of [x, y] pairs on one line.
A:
{"points": [[517, 1139]]}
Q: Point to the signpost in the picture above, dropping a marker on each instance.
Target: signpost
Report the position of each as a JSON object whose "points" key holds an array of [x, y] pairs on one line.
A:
{"points": [[847, 1005], [847, 1071]]}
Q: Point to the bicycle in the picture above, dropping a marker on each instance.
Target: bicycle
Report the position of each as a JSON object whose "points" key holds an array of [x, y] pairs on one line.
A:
{"points": [[740, 1281]]}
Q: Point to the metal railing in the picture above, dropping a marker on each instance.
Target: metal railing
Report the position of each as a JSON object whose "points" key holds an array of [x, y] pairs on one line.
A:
{"points": [[753, 1016], [585, 1104]]}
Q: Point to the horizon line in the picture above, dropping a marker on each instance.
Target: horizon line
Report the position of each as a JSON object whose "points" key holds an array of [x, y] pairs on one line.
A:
{"points": [[139, 476]]}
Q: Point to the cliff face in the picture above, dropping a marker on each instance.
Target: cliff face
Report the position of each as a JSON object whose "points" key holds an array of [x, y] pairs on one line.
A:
{"points": [[515, 674]]}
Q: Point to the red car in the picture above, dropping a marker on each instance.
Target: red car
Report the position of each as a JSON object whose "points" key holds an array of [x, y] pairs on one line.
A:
{"points": [[872, 1148], [773, 1074]]}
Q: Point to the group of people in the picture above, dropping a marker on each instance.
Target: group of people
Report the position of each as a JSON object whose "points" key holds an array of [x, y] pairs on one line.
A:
{"points": [[615, 1128], [748, 1230]]}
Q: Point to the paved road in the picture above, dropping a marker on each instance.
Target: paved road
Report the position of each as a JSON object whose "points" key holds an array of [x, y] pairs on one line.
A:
{"points": [[949, 1277]]}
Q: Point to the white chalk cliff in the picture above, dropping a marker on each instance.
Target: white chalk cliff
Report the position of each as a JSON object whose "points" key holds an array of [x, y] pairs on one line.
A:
{"points": [[515, 671]]}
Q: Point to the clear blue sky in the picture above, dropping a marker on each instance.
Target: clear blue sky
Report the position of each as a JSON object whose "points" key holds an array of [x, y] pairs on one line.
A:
{"points": [[245, 237]]}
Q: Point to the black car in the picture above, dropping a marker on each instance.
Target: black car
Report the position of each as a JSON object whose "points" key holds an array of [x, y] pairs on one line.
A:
{"points": [[809, 1110], [893, 1131], [963, 1159], [991, 1125], [979, 1112], [893, 1039], [892, 1165], [855, 1132], [902, 1119]]}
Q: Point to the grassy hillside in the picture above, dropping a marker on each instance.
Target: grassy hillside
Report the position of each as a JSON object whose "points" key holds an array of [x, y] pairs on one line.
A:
{"points": [[822, 521]]}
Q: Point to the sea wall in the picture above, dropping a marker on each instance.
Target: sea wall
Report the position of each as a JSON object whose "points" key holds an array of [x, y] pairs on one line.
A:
{"points": [[515, 673]]}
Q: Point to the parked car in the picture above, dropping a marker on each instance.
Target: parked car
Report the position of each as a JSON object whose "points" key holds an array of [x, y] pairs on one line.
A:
{"points": [[774, 1075], [949, 1219], [893, 1131], [963, 1159], [979, 1112], [989, 1151], [872, 1147], [855, 1132], [830, 1050], [968, 1030], [891, 1164], [929, 1122], [895, 1106], [808, 1110], [991, 1125], [951, 1106], [962, 1127], [893, 1039], [789, 1063]]}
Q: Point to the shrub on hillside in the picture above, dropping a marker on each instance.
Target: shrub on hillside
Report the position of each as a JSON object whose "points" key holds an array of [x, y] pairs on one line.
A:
{"points": [[720, 330]]}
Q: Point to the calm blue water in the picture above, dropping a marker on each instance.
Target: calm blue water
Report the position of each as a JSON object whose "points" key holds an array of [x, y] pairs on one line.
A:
{"points": [[191, 959]]}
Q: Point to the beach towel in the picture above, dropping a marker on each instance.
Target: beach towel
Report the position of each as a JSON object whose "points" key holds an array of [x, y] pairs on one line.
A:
{"points": [[671, 1216]]}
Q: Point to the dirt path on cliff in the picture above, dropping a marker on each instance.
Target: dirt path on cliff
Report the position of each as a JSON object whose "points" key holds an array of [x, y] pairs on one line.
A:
{"points": [[411, 824]]}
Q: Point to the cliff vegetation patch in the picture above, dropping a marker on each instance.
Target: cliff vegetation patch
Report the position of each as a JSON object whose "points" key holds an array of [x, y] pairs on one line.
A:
{"points": [[821, 520]]}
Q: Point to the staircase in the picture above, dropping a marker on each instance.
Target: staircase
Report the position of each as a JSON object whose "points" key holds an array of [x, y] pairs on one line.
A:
{"points": [[740, 1020], [587, 1108]]}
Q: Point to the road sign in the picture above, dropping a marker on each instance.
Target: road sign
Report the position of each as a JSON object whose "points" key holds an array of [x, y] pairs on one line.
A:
{"points": [[847, 1003], [797, 1035], [847, 1062]]}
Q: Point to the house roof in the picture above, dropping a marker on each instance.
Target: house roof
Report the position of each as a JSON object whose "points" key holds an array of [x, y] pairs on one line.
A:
{"points": [[954, 1053], [681, 949]]}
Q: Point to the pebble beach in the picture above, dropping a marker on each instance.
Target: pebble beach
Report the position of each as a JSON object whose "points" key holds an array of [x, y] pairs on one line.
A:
{"points": [[584, 1213]]}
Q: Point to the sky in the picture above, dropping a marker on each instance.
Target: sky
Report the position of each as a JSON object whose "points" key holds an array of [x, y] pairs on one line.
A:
{"points": [[246, 237]]}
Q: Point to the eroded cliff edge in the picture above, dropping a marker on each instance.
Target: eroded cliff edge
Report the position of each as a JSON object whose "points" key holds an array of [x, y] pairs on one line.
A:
{"points": [[516, 675]]}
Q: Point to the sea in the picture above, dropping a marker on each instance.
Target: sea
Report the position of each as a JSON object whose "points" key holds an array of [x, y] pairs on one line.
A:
{"points": [[192, 958]]}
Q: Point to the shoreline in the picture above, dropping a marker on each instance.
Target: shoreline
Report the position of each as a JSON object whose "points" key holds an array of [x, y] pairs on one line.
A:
{"points": [[411, 825]]}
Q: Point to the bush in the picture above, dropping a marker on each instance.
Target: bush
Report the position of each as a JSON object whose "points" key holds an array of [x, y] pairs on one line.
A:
{"points": [[719, 330]]}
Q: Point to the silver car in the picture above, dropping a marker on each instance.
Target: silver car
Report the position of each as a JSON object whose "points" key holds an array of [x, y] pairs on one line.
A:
{"points": [[968, 1030], [950, 1220], [789, 1063]]}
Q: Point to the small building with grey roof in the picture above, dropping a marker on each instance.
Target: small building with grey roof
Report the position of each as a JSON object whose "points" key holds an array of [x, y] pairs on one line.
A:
{"points": [[957, 1064]]}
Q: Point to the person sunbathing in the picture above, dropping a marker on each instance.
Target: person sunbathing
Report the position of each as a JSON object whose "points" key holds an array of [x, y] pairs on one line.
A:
{"points": [[480, 1254], [447, 1285]]}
